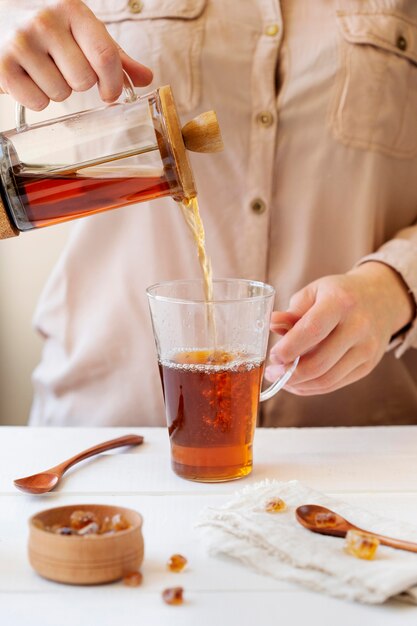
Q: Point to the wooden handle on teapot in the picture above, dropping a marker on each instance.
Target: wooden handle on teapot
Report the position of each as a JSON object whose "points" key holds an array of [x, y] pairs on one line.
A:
{"points": [[202, 133], [7, 229]]}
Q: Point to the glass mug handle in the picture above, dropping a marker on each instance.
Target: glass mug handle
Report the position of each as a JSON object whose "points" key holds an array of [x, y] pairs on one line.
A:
{"points": [[128, 93], [280, 382], [283, 379]]}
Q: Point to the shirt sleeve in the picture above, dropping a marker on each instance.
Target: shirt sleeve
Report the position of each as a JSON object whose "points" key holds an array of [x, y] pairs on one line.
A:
{"points": [[400, 253]]}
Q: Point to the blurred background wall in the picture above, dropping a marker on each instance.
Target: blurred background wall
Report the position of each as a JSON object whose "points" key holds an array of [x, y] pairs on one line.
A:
{"points": [[25, 263]]}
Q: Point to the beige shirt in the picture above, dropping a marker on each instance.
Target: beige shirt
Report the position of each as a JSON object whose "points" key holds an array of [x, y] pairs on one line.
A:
{"points": [[317, 103]]}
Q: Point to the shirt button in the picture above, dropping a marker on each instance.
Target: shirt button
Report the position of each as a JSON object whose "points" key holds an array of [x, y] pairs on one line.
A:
{"points": [[271, 30], [402, 43], [258, 206], [135, 6], [265, 118]]}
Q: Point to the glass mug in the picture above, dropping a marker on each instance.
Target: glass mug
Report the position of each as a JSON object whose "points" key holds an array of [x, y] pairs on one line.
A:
{"points": [[211, 359]]}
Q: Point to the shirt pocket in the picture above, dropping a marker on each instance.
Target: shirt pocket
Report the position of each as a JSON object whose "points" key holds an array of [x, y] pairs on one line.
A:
{"points": [[375, 104], [166, 35]]}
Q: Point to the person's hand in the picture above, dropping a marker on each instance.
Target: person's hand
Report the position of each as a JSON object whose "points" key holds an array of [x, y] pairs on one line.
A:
{"points": [[341, 326], [64, 48]]}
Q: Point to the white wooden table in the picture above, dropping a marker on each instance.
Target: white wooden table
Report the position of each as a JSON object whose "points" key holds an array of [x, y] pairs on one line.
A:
{"points": [[369, 467]]}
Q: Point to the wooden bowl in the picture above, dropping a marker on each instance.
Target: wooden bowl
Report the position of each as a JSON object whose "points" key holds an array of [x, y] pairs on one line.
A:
{"points": [[88, 559]]}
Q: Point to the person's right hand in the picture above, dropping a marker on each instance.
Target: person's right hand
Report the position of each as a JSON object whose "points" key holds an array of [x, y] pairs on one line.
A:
{"points": [[64, 48]]}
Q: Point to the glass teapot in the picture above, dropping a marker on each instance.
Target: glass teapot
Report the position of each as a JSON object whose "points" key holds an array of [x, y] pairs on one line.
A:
{"points": [[99, 159]]}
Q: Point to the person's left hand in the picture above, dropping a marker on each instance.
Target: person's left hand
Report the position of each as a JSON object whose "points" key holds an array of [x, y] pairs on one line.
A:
{"points": [[341, 326]]}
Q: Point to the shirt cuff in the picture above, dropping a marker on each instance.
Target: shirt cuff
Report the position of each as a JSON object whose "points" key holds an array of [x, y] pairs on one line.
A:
{"points": [[401, 256]]}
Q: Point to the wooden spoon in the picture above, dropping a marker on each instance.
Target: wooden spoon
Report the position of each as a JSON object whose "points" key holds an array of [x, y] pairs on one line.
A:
{"points": [[306, 515], [47, 480]]}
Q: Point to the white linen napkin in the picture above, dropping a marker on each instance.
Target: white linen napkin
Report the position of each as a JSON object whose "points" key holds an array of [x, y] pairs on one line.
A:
{"points": [[276, 544]]}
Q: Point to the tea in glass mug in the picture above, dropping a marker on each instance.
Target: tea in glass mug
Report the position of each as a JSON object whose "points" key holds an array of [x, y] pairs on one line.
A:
{"points": [[211, 357]]}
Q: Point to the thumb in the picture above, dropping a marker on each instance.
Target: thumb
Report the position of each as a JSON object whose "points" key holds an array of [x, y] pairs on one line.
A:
{"points": [[139, 74]]}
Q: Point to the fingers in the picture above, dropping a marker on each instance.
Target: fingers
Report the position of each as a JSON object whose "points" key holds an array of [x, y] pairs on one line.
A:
{"points": [[351, 367], [101, 51], [308, 332], [344, 328], [331, 350], [15, 81], [40, 68], [106, 57], [325, 385], [330, 375], [70, 61], [321, 367], [323, 358], [139, 74], [42, 61], [321, 306], [65, 48]]}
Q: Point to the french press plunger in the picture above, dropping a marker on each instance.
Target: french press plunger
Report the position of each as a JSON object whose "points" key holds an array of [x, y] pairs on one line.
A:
{"points": [[99, 159]]}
